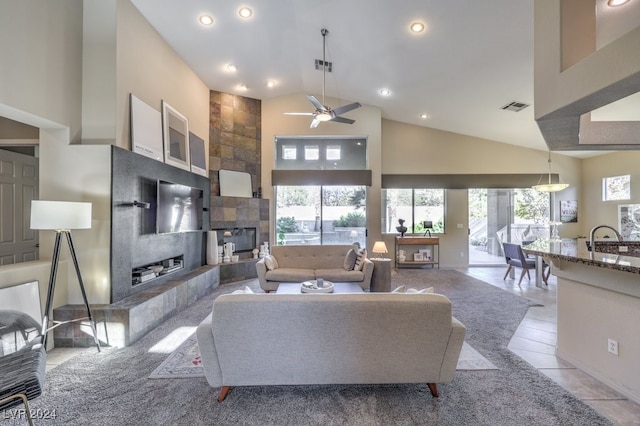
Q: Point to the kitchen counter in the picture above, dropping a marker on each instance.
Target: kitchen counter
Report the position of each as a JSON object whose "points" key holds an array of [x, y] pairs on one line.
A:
{"points": [[572, 250], [598, 306]]}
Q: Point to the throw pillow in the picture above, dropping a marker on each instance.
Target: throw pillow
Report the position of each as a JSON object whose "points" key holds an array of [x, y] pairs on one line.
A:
{"points": [[270, 262], [424, 290], [361, 256], [400, 289], [245, 290], [350, 260]]}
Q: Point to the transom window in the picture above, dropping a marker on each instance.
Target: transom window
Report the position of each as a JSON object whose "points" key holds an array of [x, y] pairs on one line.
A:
{"points": [[616, 188], [289, 152], [313, 153]]}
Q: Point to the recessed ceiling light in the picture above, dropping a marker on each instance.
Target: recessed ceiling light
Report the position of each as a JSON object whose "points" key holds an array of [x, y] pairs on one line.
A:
{"points": [[615, 3], [384, 92], [231, 68], [205, 20], [424, 116], [243, 87], [417, 27], [245, 12], [271, 84]]}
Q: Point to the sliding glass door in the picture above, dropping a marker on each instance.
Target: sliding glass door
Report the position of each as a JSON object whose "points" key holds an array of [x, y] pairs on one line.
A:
{"points": [[504, 215], [324, 215]]}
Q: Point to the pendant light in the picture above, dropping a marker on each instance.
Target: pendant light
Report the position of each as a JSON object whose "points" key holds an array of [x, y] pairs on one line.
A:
{"points": [[550, 187]]}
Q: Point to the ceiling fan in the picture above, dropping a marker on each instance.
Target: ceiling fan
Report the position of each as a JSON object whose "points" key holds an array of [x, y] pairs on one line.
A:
{"points": [[323, 112]]}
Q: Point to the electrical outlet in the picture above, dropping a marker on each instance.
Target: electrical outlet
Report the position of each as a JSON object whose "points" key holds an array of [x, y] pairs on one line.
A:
{"points": [[623, 249], [612, 346], [461, 254]]}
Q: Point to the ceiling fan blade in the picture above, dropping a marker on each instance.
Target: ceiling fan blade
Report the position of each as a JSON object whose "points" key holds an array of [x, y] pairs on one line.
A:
{"points": [[314, 123], [316, 103], [346, 108], [339, 119], [298, 113]]}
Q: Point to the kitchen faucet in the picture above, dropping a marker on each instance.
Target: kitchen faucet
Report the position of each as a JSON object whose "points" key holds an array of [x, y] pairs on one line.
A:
{"points": [[593, 233]]}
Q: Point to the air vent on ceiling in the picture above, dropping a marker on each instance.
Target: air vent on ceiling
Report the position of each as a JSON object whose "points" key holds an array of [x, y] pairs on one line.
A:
{"points": [[327, 65], [515, 106]]}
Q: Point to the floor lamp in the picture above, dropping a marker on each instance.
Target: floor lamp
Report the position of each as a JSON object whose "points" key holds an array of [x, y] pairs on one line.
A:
{"points": [[62, 217]]}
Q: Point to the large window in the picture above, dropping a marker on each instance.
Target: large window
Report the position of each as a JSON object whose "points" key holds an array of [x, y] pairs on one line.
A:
{"points": [[502, 215], [314, 215], [414, 206], [320, 190]]}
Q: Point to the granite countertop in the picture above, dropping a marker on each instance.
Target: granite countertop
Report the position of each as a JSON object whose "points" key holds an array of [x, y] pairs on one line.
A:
{"points": [[573, 250]]}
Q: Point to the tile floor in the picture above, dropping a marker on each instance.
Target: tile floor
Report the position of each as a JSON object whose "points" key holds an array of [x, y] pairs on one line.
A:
{"points": [[534, 341]]}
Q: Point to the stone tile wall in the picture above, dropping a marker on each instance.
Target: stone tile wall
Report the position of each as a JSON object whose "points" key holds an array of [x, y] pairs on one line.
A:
{"points": [[235, 138]]}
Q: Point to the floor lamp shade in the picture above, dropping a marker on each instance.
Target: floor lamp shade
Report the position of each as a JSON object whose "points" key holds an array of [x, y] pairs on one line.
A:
{"points": [[57, 215]]}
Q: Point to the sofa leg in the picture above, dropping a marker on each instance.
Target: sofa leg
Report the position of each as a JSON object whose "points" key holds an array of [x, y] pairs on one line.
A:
{"points": [[223, 393], [434, 389]]}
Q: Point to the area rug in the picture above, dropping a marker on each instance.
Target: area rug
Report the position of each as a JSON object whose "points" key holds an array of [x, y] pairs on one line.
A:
{"points": [[185, 362], [113, 387]]}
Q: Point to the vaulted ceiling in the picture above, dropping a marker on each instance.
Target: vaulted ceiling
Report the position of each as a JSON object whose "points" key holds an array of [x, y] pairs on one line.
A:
{"points": [[472, 59]]}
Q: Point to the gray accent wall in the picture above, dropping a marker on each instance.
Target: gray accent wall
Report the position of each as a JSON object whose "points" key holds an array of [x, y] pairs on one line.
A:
{"points": [[134, 241]]}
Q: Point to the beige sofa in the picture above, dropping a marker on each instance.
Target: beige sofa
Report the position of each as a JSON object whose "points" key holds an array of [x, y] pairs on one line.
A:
{"points": [[304, 339], [301, 263]]}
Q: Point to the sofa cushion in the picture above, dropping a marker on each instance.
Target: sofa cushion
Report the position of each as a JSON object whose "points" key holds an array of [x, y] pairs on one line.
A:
{"points": [[404, 289], [361, 256], [350, 260], [290, 275], [270, 262], [424, 290], [340, 275], [245, 290]]}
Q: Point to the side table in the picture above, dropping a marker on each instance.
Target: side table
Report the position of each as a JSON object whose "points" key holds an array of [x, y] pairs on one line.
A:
{"points": [[381, 277]]}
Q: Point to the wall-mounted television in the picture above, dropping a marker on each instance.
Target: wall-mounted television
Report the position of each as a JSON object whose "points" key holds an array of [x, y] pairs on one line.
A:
{"points": [[179, 208]]}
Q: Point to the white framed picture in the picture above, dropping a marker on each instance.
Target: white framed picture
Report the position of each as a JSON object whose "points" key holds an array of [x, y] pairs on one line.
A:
{"points": [[426, 253], [418, 257], [146, 129], [175, 134]]}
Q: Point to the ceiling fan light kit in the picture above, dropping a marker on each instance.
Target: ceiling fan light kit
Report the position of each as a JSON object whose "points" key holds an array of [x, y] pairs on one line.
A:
{"points": [[323, 112]]}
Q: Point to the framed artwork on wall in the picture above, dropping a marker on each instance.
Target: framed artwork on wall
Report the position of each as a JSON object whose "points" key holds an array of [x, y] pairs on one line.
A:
{"points": [[197, 154], [175, 134], [629, 221], [568, 211], [146, 129]]}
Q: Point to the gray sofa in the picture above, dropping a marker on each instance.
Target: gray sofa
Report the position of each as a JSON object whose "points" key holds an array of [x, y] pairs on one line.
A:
{"points": [[349, 338], [302, 263]]}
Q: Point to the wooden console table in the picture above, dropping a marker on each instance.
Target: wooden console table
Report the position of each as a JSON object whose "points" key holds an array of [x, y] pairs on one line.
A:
{"points": [[413, 246]]}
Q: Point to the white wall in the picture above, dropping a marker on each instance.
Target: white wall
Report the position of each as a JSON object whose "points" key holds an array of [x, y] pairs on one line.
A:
{"points": [[150, 69], [598, 212], [41, 54], [409, 149], [398, 148], [41, 67], [41, 45]]}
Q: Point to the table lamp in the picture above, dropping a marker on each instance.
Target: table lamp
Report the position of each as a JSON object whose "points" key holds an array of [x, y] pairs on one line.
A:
{"points": [[62, 217], [379, 247]]}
